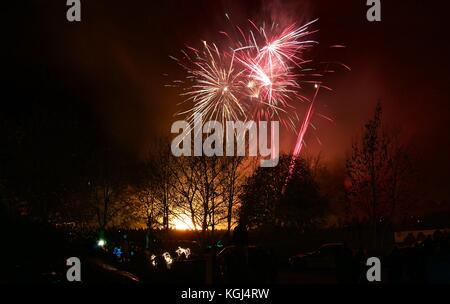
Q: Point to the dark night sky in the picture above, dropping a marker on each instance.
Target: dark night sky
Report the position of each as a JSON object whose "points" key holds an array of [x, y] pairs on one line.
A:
{"points": [[110, 66]]}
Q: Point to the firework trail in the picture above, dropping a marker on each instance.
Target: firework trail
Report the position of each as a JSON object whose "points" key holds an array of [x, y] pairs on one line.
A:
{"points": [[257, 73], [301, 134]]}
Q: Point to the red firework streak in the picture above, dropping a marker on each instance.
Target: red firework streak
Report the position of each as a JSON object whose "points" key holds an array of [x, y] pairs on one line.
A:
{"points": [[301, 135]]}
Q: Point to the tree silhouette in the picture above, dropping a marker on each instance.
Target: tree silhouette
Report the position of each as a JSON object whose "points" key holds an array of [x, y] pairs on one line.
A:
{"points": [[231, 182], [377, 172], [268, 201]]}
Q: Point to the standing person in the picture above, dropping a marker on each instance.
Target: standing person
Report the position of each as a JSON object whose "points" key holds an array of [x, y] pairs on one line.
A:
{"points": [[240, 260], [240, 234]]}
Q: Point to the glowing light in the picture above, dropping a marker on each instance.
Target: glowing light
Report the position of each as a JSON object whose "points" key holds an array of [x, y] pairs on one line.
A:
{"points": [[117, 252], [186, 251], [153, 260], [101, 243], [183, 222], [168, 259]]}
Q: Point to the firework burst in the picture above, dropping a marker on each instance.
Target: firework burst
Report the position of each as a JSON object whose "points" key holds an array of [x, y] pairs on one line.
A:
{"points": [[213, 85], [258, 73], [270, 58], [254, 78]]}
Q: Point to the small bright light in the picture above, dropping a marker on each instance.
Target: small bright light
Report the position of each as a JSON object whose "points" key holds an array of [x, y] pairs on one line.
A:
{"points": [[101, 243], [316, 86], [117, 252], [168, 259], [153, 260], [185, 251], [266, 81]]}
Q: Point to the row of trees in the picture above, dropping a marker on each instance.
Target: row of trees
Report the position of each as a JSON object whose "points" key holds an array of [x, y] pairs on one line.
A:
{"points": [[208, 193], [202, 191], [215, 192]]}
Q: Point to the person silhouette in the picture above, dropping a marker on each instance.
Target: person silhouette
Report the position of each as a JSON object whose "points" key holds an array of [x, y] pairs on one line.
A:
{"points": [[239, 260]]}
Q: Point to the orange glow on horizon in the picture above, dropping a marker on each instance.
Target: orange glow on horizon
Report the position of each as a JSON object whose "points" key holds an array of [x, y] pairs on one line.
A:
{"points": [[183, 222]]}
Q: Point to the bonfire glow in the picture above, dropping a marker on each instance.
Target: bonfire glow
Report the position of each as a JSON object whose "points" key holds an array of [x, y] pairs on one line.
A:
{"points": [[182, 222]]}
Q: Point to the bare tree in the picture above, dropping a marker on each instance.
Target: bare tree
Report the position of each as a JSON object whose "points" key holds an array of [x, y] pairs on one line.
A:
{"points": [[185, 189], [208, 187], [104, 183], [206, 191], [231, 180], [102, 193], [199, 189], [376, 171], [148, 206], [154, 190], [162, 178]]}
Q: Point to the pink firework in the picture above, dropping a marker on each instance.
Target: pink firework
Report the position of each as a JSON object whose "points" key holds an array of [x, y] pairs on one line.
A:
{"points": [[270, 59], [257, 73], [255, 77]]}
